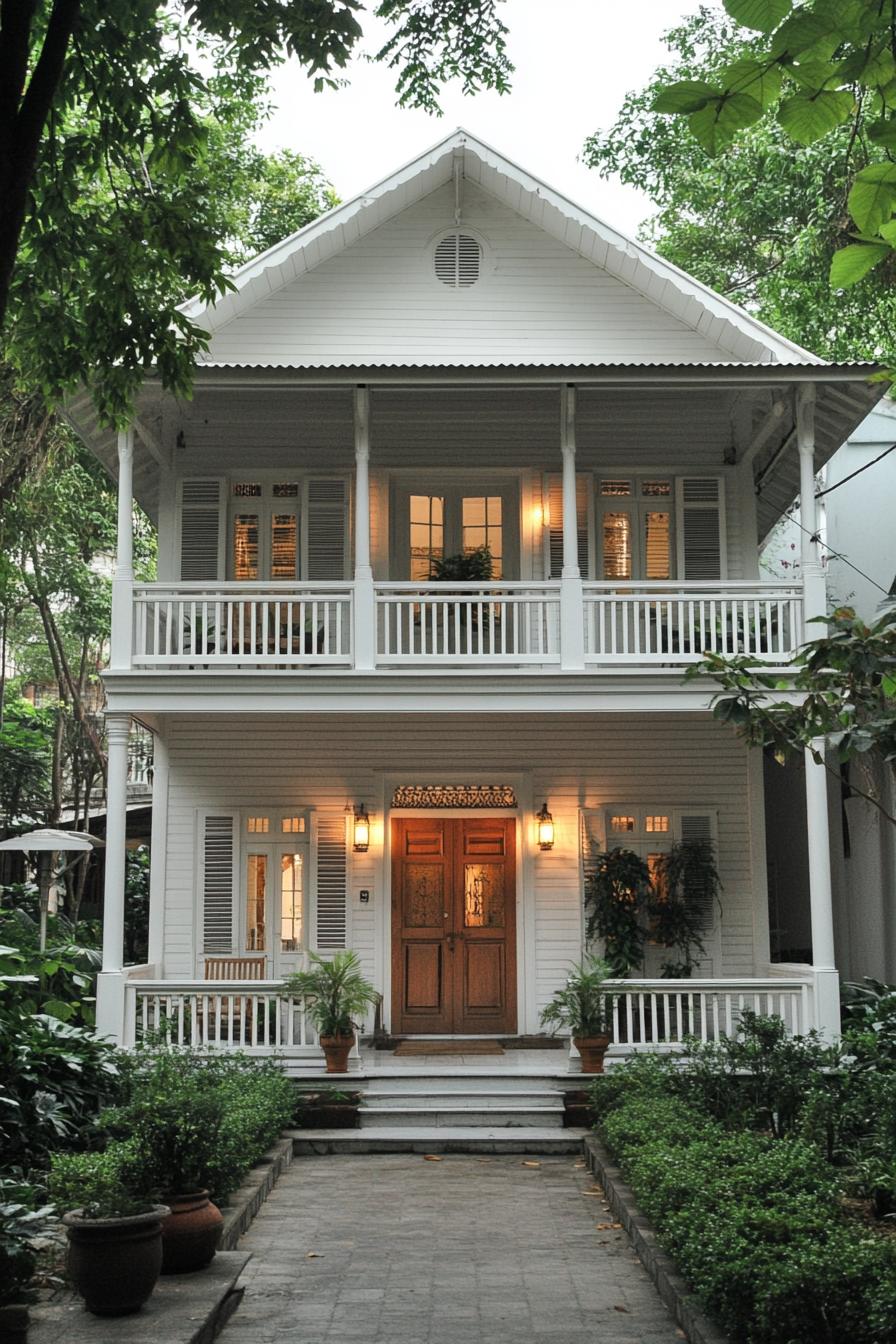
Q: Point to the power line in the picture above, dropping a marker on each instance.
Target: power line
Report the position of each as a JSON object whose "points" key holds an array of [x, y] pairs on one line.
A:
{"points": [[858, 471], [813, 536]]}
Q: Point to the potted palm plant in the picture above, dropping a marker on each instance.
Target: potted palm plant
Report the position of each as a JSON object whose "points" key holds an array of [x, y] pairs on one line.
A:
{"points": [[585, 1009], [335, 995]]}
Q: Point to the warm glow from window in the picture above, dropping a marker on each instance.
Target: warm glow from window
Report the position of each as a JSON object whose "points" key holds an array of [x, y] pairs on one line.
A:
{"points": [[256, 895], [284, 536], [481, 525], [427, 523], [290, 902], [245, 546], [616, 489], [655, 824], [620, 824], [293, 825], [657, 553], [259, 825], [656, 489], [617, 546]]}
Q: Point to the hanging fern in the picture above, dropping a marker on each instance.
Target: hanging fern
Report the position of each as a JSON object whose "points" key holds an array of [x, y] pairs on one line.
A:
{"points": [[617, 892]]}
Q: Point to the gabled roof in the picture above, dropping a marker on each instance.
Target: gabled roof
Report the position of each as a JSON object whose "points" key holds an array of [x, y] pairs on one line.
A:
{"points": [[732, 330]]}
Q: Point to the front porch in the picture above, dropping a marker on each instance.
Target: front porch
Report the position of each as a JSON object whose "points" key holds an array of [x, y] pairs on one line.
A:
{"points": [[256, 1018]]}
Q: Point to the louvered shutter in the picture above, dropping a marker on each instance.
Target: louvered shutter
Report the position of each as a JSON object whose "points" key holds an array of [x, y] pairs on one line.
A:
{"points": [[218, 850], [326, 529], [201, 528], [698, 826], [331, 883], [700, 502], [553, 495]]}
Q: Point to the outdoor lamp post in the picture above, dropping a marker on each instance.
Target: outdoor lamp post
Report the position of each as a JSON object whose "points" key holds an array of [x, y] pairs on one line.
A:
{"points": [[45, 843]]}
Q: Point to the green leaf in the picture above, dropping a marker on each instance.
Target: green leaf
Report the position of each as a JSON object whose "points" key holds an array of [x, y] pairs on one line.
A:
{"points": [[807, 117], [716, 124], [760, 79], [888, 685], [57, 1008], [872, 196], [804, 32], [763, 15], [854, 261], [883, 133], [686, 96]]}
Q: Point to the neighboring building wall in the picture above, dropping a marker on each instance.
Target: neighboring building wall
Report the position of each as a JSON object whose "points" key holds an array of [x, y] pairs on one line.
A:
{"points": [[575, 762], [859, 528]]}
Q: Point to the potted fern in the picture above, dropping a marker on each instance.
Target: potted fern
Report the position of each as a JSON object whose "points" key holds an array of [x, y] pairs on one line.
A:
{"points": [[335, 995], [585, 1009]]}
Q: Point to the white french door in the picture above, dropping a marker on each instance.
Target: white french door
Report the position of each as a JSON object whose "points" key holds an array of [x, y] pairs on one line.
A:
{"points": [[435, 519], [274, 893]]}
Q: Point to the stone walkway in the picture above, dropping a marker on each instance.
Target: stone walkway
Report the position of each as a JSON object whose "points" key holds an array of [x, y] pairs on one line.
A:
{"points": [[395, 1249]]}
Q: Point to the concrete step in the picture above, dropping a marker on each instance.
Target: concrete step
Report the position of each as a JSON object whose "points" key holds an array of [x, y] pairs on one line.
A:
{"points": [[460, 1079], [430, 1139], [518, 1117], [438, 1097]]}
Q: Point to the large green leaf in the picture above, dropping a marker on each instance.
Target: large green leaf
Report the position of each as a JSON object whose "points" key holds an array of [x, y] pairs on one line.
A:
{"points": [[760, 79], [763, 15], [883, 133], [807, 117], [854, 261], [888, 232], [716, 124], [873, 195], [686, 96], [804, 32]]}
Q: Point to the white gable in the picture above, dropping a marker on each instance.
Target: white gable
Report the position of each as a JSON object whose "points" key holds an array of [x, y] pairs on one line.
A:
{"points": [[557, 285], [380, 301]]}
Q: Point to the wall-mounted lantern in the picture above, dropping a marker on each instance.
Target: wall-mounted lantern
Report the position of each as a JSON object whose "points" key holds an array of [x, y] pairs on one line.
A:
{"points": [[361, 830], [545, 828]]}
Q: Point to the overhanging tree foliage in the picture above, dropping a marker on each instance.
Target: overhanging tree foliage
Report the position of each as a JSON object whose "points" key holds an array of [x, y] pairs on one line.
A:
{"points": [[819, 65], [760, 220], [107, 211]]}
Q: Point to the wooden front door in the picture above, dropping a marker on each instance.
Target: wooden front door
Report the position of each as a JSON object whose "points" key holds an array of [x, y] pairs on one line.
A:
{"points": [[453, 925]]}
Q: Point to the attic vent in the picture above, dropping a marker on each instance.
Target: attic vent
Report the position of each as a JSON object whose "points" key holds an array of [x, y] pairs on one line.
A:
{"points": [[457, 260]]}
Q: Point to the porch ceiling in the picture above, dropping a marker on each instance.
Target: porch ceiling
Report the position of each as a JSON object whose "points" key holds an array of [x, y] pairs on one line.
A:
{"points": [[504, 418]]}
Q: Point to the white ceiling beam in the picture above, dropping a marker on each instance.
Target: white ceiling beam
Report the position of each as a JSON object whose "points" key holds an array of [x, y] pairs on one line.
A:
{"points": [[151, 443]]}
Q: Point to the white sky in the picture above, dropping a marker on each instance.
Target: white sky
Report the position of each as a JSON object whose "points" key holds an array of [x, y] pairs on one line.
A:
{"points": [[575, 61]]}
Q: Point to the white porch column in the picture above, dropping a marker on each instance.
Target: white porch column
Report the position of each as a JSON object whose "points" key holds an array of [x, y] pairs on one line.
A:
{"points": [[110, 982], [123, 581], [572, 604], [365, 601], [827, 981], [158, 851]]}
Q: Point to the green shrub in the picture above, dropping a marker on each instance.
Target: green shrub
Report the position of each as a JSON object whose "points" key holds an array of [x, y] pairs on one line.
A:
{"points": [[199, 1120], [20, 1221], [97, 1183], [754, 1222]]}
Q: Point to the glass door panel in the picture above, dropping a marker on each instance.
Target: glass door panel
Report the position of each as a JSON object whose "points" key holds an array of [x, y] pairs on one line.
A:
{"points": [[482, 526], [256, 902]]}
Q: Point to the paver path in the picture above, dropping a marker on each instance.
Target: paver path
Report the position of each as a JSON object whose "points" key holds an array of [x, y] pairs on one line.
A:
{"points": [[468, 1250]]}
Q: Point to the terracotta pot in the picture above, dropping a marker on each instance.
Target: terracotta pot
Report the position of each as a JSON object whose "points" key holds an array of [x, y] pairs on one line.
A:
{"points": [[336, 1049], [592, 1049], [190, 1233], [114, 1263], [14, 1323]]}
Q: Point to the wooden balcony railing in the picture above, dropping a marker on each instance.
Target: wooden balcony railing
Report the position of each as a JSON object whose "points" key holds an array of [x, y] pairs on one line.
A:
{"points": [[246, 626]]}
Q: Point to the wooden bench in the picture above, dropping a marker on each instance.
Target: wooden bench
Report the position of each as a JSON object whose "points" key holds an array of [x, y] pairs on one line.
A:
{"points": [[240, 1009]]}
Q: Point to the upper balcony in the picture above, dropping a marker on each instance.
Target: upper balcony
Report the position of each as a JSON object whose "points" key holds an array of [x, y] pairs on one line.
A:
{"points": [[246, 627]]}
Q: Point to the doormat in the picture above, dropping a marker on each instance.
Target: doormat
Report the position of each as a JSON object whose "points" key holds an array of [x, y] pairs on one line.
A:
{"points": [[449, 1048]]}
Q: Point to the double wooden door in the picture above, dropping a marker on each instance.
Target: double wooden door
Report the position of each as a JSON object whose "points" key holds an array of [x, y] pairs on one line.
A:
{"points": [[453, 925]]}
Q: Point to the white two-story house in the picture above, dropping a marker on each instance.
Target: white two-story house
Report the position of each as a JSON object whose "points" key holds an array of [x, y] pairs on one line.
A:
{"points": [[350, 753]]}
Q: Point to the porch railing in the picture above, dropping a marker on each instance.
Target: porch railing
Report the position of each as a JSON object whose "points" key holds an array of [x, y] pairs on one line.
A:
{"points": [[468, 623], [680, 623], [659, 1014], [243, 624], [248, 1015]]}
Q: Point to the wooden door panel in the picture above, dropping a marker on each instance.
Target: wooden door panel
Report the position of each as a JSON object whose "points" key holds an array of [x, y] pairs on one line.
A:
{"points": [[423, 985], [484, 978]]}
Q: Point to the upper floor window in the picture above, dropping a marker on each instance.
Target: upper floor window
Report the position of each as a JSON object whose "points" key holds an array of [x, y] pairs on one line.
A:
{"points": [[264, 530], [449, 518], [635, 528]]}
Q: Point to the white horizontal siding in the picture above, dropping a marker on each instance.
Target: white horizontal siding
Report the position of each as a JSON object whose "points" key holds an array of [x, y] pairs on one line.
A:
{"points": [[380, 300], [572, 761]]}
